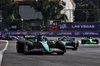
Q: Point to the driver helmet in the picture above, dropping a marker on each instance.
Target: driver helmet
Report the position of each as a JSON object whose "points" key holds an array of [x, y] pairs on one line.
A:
{"points": [[39, 35], [67, 36], [64, 36]]}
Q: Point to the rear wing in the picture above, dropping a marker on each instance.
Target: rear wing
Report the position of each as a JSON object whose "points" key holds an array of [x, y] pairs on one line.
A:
{"points": [[88, 38]]}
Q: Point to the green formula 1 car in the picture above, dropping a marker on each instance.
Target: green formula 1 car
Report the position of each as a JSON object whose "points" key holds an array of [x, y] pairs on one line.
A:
{"points": [[39, 44], [89, 40]]}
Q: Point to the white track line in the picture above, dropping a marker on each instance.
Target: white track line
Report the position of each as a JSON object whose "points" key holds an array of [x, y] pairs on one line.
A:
{"points": [[2, 52]]}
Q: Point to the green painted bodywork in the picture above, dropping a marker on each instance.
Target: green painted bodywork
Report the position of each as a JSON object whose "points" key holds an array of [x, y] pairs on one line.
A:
{"points": [[89, 40], [29, 36]]}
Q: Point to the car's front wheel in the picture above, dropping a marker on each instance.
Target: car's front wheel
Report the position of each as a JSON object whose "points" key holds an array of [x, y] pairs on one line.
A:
{"points": [[75, 47], [17, 48], [20, 46]]}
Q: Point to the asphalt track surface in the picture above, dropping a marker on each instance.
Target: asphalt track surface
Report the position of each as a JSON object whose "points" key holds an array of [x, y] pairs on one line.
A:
{"points": [[2, 45], [86, 55]]}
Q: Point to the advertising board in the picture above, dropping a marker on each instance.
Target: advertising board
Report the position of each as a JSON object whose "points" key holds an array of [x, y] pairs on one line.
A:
{"points": [[78, 26]]}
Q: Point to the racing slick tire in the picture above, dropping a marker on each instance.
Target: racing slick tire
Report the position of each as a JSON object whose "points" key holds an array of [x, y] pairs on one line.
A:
{"points": [[82, 41], [30, 45], [20, 46], [60, 53], [60, 45], [26, 49], [75, 46], [96, 41]]}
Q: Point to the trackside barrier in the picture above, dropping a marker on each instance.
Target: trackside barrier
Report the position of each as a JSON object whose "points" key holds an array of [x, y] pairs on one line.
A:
{"points": [[79, 26], [55, 33]]}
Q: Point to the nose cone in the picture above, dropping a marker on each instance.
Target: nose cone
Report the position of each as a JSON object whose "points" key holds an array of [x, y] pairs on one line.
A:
{"points": [[45, 45]]}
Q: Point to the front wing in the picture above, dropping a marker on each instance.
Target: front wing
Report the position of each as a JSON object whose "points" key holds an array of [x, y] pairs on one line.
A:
{"points": [[43, 50]]}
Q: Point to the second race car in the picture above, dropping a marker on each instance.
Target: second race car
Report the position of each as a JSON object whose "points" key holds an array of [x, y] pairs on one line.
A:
{"points": [[69, 43]]}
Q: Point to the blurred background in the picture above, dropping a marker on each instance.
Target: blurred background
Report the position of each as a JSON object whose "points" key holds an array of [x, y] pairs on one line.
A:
{"points": [[43, 15]]}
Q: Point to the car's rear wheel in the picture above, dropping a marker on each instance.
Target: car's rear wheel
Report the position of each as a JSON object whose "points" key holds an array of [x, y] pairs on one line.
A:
{"points": [[60, 45], [26, 49], [30, 45]]}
